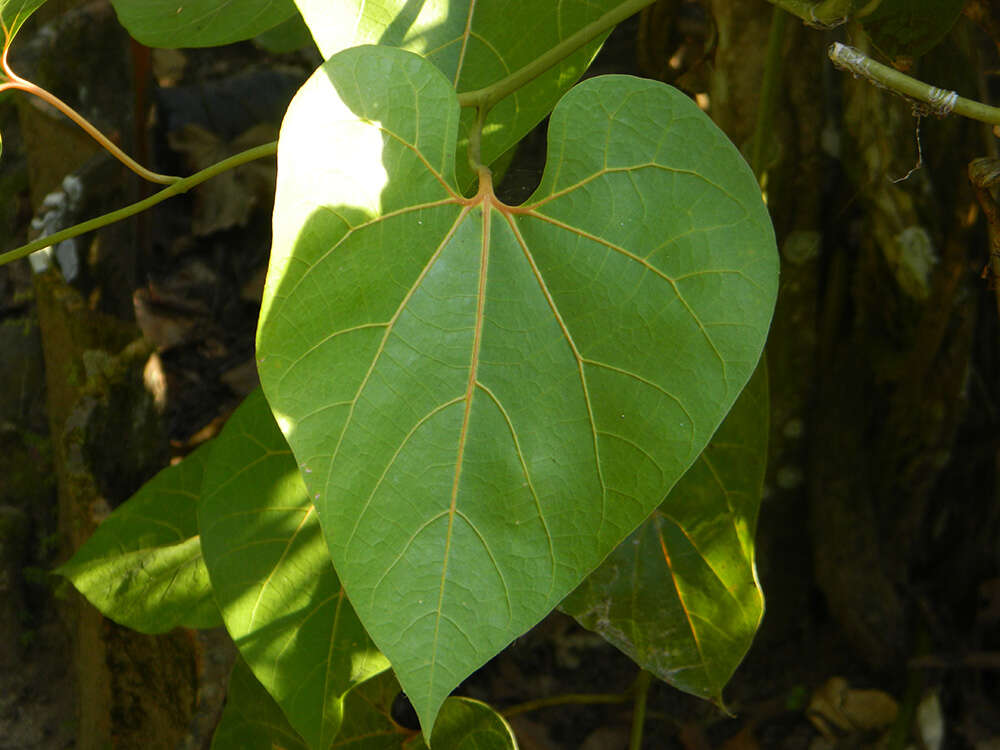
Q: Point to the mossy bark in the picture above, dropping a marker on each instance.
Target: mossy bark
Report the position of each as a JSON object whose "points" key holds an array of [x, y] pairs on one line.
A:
{"points": [[134, 690], [872, 340]]}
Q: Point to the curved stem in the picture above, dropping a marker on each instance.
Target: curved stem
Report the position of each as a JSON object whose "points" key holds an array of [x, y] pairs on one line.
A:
{"points": [[15, 82], [488, 96], [641, 691], [939, 102], [768, 89], [568, 698], [182, 185]]}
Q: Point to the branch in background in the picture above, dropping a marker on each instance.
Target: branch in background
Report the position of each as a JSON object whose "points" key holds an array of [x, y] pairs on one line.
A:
{"points": [[768, 89], [926, 99]]}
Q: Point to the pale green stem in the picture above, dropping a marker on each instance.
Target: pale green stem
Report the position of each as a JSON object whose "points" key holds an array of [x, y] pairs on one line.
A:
{"points": [[641, 692], [939, 102], [768, 90], [826, 14], [15, 82], [475, 141], [486, 97], [181, 186]]}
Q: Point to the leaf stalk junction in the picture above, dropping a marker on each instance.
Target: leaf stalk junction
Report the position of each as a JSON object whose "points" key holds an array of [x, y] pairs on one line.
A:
{"points": [[482, 99]]}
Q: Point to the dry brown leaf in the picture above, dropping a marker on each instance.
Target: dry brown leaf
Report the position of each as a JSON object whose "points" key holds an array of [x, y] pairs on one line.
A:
{"points": [[228, 200], [837, 708]]}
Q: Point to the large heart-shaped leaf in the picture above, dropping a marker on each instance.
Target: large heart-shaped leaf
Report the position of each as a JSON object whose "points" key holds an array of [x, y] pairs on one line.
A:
{"points": [[487, 399], [475, 43], [680, 595], [199, 23], [273, 580], [143, 566]]}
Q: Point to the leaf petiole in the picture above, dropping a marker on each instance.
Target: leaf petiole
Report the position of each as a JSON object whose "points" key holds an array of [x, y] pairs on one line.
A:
{"points": [[182, 185]]}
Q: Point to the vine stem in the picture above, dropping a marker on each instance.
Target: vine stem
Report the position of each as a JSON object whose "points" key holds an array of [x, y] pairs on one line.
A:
{"points": [[182, 185], [485, 98], [940, 102], [567, 699], [641, 692], [768, 89], [16, 83]]}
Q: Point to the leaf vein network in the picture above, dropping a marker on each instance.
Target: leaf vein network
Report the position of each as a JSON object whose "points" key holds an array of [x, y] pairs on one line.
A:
{"points": [[654, 270], [705, 559], [492, 48], [265, 584], [643, 451], [328, 677], [351, 230], [465, 43], [493, 560], [291, 641], [677, 589], [470, 389], [325, 340], [389, 328], [232, 478], [402, 551], [550, 300], [650, 384], [733, 516], [527, 478], [427, 165], [530, 209], [392, 460]]}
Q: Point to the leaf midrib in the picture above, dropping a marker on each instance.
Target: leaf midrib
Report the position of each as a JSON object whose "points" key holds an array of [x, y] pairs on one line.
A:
{"points": [[470, 390]]}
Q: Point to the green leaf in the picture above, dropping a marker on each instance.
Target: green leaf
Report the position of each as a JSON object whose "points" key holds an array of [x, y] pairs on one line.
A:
{"points": [[251, 719], [288, 36], [367, 717], [486, 400], [273, 580], [911, 27], [199, 23], [143, 566], [13, 14], [474, 43], [680, 595], [464, 724]]}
